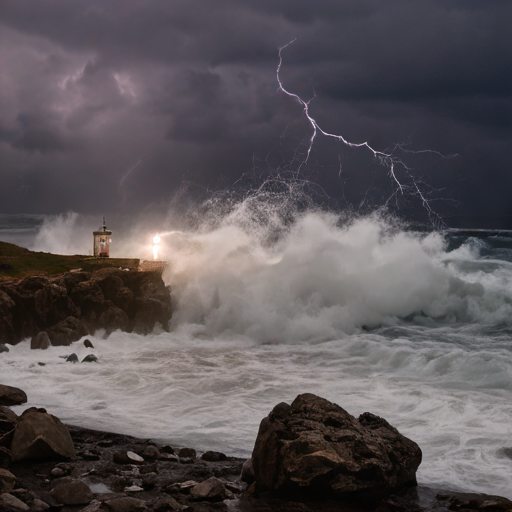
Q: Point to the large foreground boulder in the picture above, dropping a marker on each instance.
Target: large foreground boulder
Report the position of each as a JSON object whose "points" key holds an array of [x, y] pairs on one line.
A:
{"points": [[316, 448], [40, 435]]}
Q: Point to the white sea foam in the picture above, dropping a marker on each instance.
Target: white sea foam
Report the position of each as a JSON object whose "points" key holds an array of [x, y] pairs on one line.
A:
{"points": [[364, 314]]}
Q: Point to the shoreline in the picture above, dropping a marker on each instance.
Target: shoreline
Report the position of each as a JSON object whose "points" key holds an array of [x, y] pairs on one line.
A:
{"points": [[165, 482], [88, 470]]}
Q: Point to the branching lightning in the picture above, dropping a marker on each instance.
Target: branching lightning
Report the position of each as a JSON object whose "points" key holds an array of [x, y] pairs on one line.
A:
{"points": [[386, 159]]}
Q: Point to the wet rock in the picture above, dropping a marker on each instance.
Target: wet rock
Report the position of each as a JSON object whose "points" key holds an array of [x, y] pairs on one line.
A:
{"points": [[314, 447], [187, 453], [40, 341], [247, 475], [67, 331], [9, 503], [211, 456], [5, 455], [91, 358], [41, 436], [151, 453], [94, 506], [70, 491], [7, 321], [7, 481], [125, 504], [88, 344], [113, 319], [167, 504], [3, 348], [72, 358], [38, 505], [127, 457], [482, 502], [12, 396], [211, 490], [7, 421]]}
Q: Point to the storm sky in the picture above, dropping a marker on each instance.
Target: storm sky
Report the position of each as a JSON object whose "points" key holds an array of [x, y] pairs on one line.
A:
{"points": [[114, 105]]}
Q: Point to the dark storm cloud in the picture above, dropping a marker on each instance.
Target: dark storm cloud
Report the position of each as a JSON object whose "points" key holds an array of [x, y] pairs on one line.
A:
{"points": [[115, 102]]}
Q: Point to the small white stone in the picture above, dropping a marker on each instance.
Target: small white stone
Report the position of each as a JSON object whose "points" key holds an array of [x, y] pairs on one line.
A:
{"points": [[134, 456], [133, 488]]}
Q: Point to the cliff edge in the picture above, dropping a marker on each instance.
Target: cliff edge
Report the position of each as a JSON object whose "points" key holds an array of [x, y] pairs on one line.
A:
{"points": [[59, 310]]}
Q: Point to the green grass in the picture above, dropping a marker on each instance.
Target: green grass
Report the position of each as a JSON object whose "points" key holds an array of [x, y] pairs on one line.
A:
{"points": [[17, 262]]}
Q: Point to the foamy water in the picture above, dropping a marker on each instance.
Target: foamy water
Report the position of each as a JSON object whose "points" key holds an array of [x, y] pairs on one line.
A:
{"points": [[366, 315]]}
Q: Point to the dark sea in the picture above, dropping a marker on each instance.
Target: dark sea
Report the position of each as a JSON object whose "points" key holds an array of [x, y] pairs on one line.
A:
{"points": [[414, 327]]}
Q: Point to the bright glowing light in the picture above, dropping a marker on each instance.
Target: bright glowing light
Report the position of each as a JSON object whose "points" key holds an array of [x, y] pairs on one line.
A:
{"points": [[156, 247]]}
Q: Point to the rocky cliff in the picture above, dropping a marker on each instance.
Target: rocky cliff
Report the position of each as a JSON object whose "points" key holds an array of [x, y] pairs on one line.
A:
{"points": [[77, 303]]}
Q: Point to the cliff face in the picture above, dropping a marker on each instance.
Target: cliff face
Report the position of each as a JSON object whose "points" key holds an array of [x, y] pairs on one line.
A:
{"points": [[78, 303]]}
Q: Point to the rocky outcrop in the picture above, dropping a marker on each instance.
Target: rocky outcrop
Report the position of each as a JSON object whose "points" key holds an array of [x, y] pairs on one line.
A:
{"points": [[74, 304], [315, 447]]}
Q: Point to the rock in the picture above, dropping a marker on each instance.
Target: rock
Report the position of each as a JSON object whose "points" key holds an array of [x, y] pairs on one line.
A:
{"points": [[187, 453], [57, 472], [70, 491], [9, 503], [40, 341], [3, 348], [6, 425], [471, 501], [247, 475], [167, 504], [88, 344], [314, 447], [74, 304], [7, 327], [94, 506], [66, 332], [133, 488], [127, 457], [8, 419], [212, 490], [5, 456], [52, 304], [113, 319], [91, 358], [7, 481], [125, 505], [213, 456], [38, 505], [41, 436], [72, 358], [12, 396], [151, 453]]}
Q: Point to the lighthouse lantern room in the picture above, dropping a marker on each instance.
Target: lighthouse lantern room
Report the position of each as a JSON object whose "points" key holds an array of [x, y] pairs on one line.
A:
{"points": [[102, 242]]}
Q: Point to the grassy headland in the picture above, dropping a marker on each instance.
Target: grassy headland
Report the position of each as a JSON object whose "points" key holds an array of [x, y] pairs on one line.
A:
{"points": [[17, 262]]}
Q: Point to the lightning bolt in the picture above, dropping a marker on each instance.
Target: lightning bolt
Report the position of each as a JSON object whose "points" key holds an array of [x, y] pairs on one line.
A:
{"points": [[386, 159]]}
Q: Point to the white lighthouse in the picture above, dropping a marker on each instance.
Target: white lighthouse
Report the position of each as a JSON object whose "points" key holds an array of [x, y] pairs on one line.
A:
{"points": [[102, 242]]}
